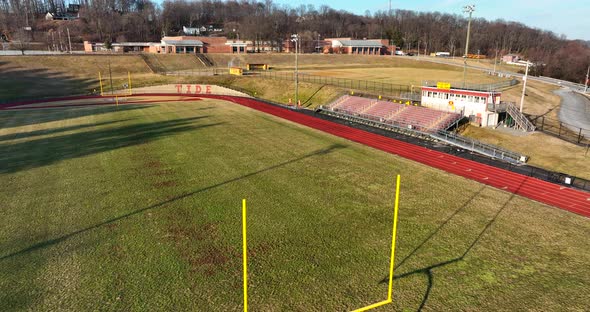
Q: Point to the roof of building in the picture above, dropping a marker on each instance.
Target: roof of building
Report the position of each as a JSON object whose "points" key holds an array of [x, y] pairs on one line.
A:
{"points": [[198, 43], [361, 43], [236, 43], [135, 44]]}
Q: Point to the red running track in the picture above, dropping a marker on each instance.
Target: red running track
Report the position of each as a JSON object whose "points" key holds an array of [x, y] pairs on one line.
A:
{"points": [[552, 194], [548, 193]]}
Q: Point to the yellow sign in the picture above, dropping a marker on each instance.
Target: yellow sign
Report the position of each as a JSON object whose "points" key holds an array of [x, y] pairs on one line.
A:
{"points": [[443, 85], [236, 71]]}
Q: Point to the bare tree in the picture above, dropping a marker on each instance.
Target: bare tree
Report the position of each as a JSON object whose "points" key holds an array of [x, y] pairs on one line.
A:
{"points": [[22, 40]]}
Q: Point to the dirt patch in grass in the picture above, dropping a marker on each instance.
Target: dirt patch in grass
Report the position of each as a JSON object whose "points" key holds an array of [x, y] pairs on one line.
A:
{"points": [[198, 245], [162, 172], [165, 184], [154, 164], [211, 259]]}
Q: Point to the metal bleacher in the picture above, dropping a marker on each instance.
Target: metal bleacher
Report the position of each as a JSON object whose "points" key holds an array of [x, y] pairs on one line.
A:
{"points": [[399, 115], [416, 121]]}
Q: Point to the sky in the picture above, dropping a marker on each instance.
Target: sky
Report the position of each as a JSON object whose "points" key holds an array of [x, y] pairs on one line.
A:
{"points": [[568, 17]]}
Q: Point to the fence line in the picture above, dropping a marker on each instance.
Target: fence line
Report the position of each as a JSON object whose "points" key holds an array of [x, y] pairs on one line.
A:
{"points": [[384, 88], [562, 130]]}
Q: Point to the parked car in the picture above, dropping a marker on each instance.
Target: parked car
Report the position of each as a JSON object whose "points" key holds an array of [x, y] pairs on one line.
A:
{"points": [[399, 52]]}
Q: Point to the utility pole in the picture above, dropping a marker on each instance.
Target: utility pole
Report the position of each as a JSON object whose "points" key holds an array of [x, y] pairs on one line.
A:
{"points": [[69, 39], [524, 79], [389, 8], [467, 9], [586, 84], [319, 48]]}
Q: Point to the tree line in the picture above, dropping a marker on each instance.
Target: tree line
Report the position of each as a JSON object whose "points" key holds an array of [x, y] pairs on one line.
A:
{"points": [[144, 20]]}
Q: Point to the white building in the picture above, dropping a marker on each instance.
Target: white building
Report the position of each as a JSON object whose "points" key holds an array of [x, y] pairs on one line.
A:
{"points": [[470, 103]]}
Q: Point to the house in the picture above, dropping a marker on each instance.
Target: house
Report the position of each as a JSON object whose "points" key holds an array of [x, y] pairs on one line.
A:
{"points": [[61, 16], [191, 31], [72, 13], [510, 58], [203, 30]]}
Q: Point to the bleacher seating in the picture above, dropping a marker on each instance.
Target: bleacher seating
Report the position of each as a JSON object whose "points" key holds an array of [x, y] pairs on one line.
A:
{"points": [[406, 116]]}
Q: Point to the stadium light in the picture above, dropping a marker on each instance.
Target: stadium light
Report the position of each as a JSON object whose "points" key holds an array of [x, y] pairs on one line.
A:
{"points": [[467, 9], [295, 38]]}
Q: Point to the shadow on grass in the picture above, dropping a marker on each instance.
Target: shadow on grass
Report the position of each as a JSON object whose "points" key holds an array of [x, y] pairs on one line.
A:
{"points": [[428, 271], [60, 239], [23, 135], [18, 83], [19, 118], [46, 151]]}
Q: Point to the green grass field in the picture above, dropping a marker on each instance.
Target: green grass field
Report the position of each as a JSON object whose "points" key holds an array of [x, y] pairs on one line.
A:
{"points": [[26, 77], [138, 208]]}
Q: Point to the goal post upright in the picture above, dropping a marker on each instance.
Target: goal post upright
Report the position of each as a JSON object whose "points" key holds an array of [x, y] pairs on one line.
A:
{"points": [[392, 259]]}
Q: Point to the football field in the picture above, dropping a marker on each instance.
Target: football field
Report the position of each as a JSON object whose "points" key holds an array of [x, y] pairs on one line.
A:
{"points": [[138, 207]]}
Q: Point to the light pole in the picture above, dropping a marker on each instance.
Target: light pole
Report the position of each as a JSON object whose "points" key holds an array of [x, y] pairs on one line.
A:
{"points": [[319, 48], [69, 39], [586, 84], [295, 39], [467, 9], [496, 59], [524, 79], [238, 40]]}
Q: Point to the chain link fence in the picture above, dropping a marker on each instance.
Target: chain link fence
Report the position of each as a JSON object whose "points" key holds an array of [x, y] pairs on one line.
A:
{"points": [[376, 87]]}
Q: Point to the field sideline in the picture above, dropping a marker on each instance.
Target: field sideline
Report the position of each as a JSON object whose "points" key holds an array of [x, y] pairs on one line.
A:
{"points": [[138, 207]]}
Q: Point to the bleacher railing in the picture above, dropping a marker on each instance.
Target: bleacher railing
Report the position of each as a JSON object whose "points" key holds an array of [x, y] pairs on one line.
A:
{"points": [[487, 87], [480, 147], [426, 131]]}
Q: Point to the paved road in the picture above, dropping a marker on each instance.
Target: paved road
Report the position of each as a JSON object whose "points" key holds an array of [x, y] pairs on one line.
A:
{"points": [[574, 110], [553, 81]]}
